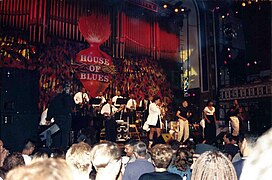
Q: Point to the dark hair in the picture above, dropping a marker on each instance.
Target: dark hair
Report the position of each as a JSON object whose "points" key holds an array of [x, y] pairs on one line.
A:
{"points": [[250, 138], [209, 101], [29, 144], [181, 161], [174, 144], [131, 142], [156, 98], [13, 160]]}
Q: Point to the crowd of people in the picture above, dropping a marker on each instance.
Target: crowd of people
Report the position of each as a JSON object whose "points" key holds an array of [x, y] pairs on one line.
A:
{"points": [[246, 157]]}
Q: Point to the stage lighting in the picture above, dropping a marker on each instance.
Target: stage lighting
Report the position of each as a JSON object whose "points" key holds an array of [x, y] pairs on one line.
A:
{"points": [[248, 64], [223, 16], [236, 12], [243, 4], [255, 62], [176, 10], [165, 6], [182, 9], [249, 2], [228, 49]]}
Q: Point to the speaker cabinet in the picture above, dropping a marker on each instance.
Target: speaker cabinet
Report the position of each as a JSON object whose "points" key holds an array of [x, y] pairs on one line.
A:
{"points": [[122, 131]]}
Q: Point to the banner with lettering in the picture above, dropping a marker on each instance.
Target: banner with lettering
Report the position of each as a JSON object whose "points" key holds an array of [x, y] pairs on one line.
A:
{"points": [[94, 67]]}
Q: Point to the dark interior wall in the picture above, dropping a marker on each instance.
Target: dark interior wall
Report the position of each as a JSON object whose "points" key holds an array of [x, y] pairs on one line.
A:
{"points": [[19, 106]]}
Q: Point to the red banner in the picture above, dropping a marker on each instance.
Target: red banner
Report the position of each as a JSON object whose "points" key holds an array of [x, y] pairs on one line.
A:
{"points": [[94, 67]]}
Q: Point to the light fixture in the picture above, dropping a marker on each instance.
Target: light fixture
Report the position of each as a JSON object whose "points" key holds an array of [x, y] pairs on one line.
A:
{"points": [[182, 9], [165, 6], [236, 12], [228, 49], [249, 2], [217, 7], [255, 62], [223, 16], [243, 4], [176, 10]]}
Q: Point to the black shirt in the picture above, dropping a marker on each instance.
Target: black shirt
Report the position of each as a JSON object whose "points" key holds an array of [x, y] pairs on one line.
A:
{"points": [[234, 111], [183, 111], [160, 176]]}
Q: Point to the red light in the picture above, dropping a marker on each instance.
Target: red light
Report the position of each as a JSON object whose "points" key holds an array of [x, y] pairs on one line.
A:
{"points": [[225, 62]]}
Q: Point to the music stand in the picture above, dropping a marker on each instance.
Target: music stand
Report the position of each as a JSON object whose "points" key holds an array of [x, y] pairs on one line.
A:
{"points": [[95, 102], [46, 134], [121, 101]]}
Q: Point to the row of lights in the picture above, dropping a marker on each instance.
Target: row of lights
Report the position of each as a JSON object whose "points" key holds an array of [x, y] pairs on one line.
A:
{"points": [[176, 9]]}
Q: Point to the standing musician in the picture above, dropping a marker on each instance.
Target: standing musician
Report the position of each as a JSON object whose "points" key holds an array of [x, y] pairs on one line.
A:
{"points": [[82, 100], [154, 119], [131, 109], [234, 113], [183, 114], [108, 111]]}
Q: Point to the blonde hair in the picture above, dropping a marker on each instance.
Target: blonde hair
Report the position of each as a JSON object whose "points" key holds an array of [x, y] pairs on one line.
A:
{"points": [[213, 165], [53, 169], [78, 157], [161, 155], [104, 153], [258, 164]]}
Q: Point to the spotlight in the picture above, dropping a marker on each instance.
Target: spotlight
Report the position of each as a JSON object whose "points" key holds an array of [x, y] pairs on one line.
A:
{"points": [[243, 4], [227, 14], [248, 64], [165, 6], [223, 16], [236, 12], [176, 10], [225, 62], [228, 49], [249, 2], [217, 7], [229, 55], [182, 9], [255, 62]]}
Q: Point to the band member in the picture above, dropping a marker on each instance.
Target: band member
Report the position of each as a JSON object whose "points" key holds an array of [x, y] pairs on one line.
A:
{"points": [[108, 111], [183, 114], [60, 109], [210, 122], [114, 99], [154, 119], [131, 109], [103, 99], [81, 97], [234, 112]]}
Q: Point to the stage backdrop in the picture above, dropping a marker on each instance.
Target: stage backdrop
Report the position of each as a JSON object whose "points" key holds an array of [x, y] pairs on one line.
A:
{"points": [[94, 67]]}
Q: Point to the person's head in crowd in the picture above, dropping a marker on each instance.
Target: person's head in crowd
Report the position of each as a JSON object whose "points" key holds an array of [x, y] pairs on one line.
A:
{"points": [[185, 103], [78, 157], [3, 153], [39, 156], [57, 153], [151, 98], [13, 160], [183, 159], [28, 148], [174, 145], [258, 165], [118, 93], [246, 143], [83, 89], [140, 150], [161, 155], [230, 139], [157, 100], [235, 102], [129, 145], [213, 165], [106, 159], [53, 169]]}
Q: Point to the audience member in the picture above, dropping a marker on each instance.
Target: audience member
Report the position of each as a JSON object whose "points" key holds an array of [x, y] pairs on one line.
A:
{"points": [[78, 157], [13, 160], [161, 156], [28, 149], [231, 146], [53, 169], [213, 165], [141, 165], [181, 164], [39, 156], [246, 147], [106, 159], [130, 157], [3, 153], [258, 165], [3, 173]]}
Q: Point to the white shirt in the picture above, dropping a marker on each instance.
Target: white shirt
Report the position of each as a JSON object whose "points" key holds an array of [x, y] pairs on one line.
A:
{"points": [[27, 159], [208, 111], [131, 102], [154, 115], [106, 109], [78, 97], [114, 99], [43, 118]]}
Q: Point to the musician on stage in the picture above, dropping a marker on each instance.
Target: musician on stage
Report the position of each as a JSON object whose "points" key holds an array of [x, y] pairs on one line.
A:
{"points": [[154, 120], [183, 114], [82, 100], [210, 122], [234, 113], [103, 99], [108, 111], [114, 99], [60, 108], [131, 109]]}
